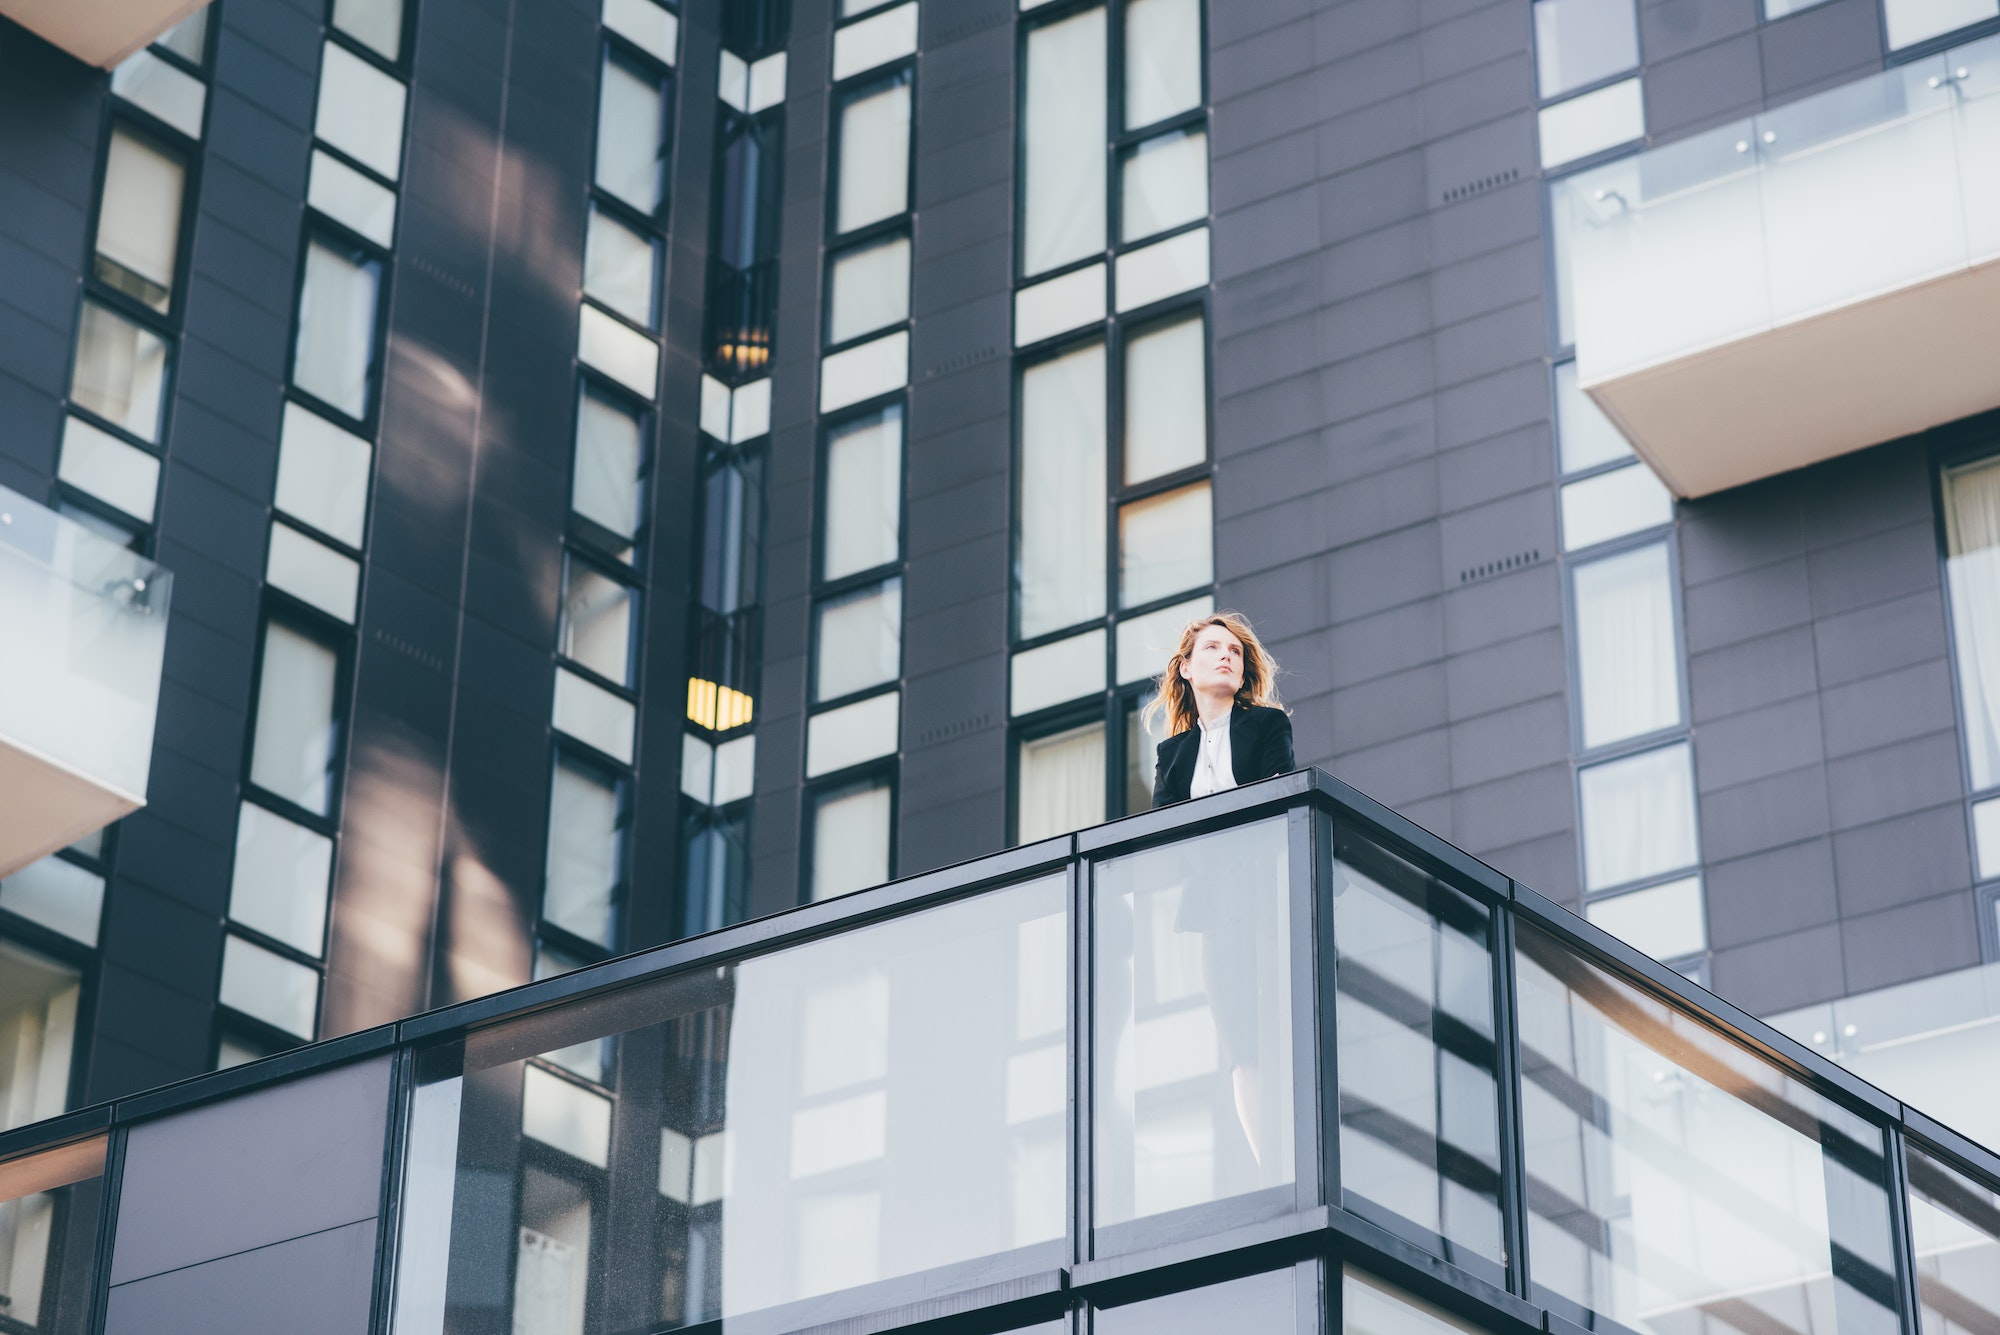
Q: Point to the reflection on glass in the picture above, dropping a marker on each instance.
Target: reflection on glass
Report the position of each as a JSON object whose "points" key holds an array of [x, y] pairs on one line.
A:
{"points": [[1677, 1182], [1955, 1226], [1062, 136], [1972, 535], [1264, 1304], [597, 617], [120, 372], [1370, 1307], [1059, 782], [1163, 183], [1611, 505], [139, 218], [1419, 1102], [48, 1238], [269, 987], [618, 267], [58, 894], [1193, 993]]}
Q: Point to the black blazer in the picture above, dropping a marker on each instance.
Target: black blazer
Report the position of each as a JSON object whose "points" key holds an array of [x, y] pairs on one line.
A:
{"points": [[1260, 747]]}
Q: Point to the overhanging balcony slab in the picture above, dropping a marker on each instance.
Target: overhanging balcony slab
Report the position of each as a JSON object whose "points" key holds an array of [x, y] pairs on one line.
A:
{"points": [[98, 32], [49, 805]]}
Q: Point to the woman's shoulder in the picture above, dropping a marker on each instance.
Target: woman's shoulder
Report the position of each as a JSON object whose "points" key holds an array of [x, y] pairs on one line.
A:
{"points": [[1267, 714]]}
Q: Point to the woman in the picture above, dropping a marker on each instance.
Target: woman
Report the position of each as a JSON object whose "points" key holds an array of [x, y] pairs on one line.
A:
{"points": [[1220, 701]]}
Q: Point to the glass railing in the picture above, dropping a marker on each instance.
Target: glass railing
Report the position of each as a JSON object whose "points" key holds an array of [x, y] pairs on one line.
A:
{"points": [[1863, 190], [83, 629], [1274, 1060]]}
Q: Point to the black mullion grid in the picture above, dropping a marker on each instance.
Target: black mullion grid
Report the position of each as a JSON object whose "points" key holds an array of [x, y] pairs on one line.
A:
{"points": [[315, 225], [615, 46], [406, 41], [881, 78]]}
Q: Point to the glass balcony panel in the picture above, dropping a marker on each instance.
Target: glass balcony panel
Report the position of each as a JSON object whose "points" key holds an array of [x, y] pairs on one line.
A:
{"points": [[883, 1102], [1955, 1226], [1370, 1307], [1193, 1057], [49, 1204], [1266, 1304], [1419, 1101], [1974, 71], [39, 1001], [1675, 1180]]}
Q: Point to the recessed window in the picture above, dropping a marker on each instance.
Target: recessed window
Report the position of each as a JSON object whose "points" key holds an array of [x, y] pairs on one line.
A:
{"points": [[1059, 782], [1165, 545], [1061, 500], [1063, 132], [1584, 434], [597, 617], [351, 197], [1638, 817], [293, 745], [111, 470], [732, 525], [1163, 183], [860, 640], [1162, 59], [1166, 400], [187, 39], [586, 852], [1581, 41], [610, 453], [376, 24], [267, 986], [120, 372], [59, 895], [868, 288], [864, 492], [874, 156], [1628, 665], [1913, 21], [631, 134], [279, 884], [323, 474], [313, 572], [37, 1034], [850, 839], [139, 218], [361, 111], [1972, 534], [334, 359], [620, 267]]}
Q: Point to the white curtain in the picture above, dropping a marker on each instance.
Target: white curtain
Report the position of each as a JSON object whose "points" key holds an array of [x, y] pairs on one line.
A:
{"points": [[1166, 543], [864, 492], [1061, 782], [874, 158], [336, 329], [851, 841], [583, 854], [139, 221], [1062, 492], [1972, 522], [1064, 134], [293, 747], [628, 142], [120, 371], [1628, 664], [37, 1030], [1166, 400], [860, 640], [607, 465], [1638, 817], [1162, 59]]}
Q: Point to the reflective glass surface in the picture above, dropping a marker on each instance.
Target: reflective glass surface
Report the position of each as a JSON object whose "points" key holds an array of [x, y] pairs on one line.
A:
{"points": [[120, 372], [619, 267], [361, 111], [377, 24], [1061, 498], [1955, 1224], [39, 997], [1265, 1304], [1059, 782], [1638, 817], [1166, 400], [139, 218], [860, 640], [597, 617], [49, 1205], [874, 156], [1166, 544], [586, 851], [1163, 183], [864, 494], [609, 453], [1062, 133], [292, 750], [1370, 1307], [1162, 59], [59, 895], [868, 288], [323, 474]]}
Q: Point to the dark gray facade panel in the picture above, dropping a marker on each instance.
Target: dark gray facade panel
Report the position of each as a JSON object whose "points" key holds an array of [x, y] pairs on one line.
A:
{"points": [[1752, 673], [317, 1285], [1900, 860], [1759, 743], [1705, 87], [1781, 972], [1671, 28], [1770, 894], [1909, 941], [1764, 813], [1824, 45]]}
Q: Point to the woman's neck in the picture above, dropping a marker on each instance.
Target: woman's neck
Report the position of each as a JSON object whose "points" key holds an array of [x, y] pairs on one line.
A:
{"points": [[1211, 708]]}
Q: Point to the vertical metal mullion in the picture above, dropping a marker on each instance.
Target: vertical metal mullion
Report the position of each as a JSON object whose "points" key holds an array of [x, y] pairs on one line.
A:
{"points": [[107, 1229], [1301, 938], [1507, 1076], [1902, 1239], [389, 1209], [1326, 1007], [1082, 933]]}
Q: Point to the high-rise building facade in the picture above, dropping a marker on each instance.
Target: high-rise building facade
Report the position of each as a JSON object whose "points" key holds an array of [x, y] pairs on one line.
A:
{"points": [[626, 468]]}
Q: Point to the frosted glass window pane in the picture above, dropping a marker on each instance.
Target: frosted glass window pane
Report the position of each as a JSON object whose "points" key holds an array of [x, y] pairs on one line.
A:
{"points": [[1370, 1307], [1166, 544], [591, 714], [631, 143], [1986, 837], [1061, 502], [1638, 817], [187, 39], [620, 268], [334, 359], [1581, 41], [850, 839], [864, 493], [361, 111], [1912, 21], [860, 640], [586, 852], [120, 372], [59, 895], [109, 469], [1063, 134], [597, 616], [1665, 921], [1972, 534], [347, 196], [173, 95], [1166, 400], [1164, 269], [139, 218], [654, 30], [268, 987], [1058, 305], [874, 157], [864, 371], [862, 46], [313, 572], [853, 734], [279, 885], [1955, 1234], [1059, 783], [1611, 505], [609, 453], [618, 350], [1584, 434], [1163, 183], [323, 474], [735, 770], [868, 287], [377, 24], [1628, 664], [1592, 123], [293, 748], [1055, 673], [1145, 643], [1162, 59], [766, 83]]}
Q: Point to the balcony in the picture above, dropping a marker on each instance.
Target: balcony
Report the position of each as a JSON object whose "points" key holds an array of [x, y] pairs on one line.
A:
{"points": [[98, 32], [83, 626], [1272, 1061], [1788, 288]]}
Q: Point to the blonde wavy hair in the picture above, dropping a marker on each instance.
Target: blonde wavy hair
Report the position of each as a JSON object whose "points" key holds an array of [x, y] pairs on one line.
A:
{"points": [[1175, 698]]}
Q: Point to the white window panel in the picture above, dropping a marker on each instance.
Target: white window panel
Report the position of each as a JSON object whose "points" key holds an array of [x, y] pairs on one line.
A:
{"points": [[1913, 21], [714, 407], [349, 197], [595, 626], [1054, 673], [735, 770], [620, 267], [732, 80], [1164, 269], [1611, 505], [1628, 663], [1638, 817], [268, 987], [850, 8], [750, 411], [864, 372], [1592, 123], [292, 748], [1163, 183], [59, 895], [1986, 837], [868, 288], [850, 839], [1581, 41], [853, 734], [1777, 9], [1162, 59], [648, 26], [1063, 134], [864, 495], [767, 83], [109, 469], [589, 713], [1166, 400], [1972, 538], [377, 24], [1666, 921], [874, 168], [279, 884], [313, 572], [187, 39], [862, 46], [1166, 543], [1145, 643], [151, 84], [606, 486], [618, 350], [361, 111], [698, 769], [120, 372], [586, 852], [1062, 492], [575, 1120], [334, 357], [1059, 305], [860, 640], [631, 111], [1059, 783], [139, 218], [1584, 435], [323, 474]]}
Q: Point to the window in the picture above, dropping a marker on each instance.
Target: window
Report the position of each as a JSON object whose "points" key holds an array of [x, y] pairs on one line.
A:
{"points": [[351, 197], [864, 492], [361, 111], [1063, 133], [715, 888], [1163, 183], [187, 39], [631, 133], [874, 170], [597, 621], [1913, 21], [860, 640], [620, 267], [323, 474], [1266, 1304], [1628, 663], [1638, 817], [38, 1009], [1579, 42], [296, 734], [732, 520], [61, 895], [868, 288], [139, 218], [121, 475], [1584, 434], [609, 466], [120, 372], [1062, 491], [850, 838], [269, 988], [376, 24], [1972, 537], [586, 864], [334, 359], [1666, 921], [279, 884], [49, 1211], [1163, 43], [1166, 400], [1059, 782], [1592, 122], [1165, 545], [1777, 9]]}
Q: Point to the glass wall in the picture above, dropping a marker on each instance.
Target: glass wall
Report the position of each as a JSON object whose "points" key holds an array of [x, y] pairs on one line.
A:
{"points": [[49, 1206]]}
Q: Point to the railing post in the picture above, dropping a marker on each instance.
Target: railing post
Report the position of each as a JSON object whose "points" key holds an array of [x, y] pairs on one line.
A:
{"points": [[1513, 1149]]}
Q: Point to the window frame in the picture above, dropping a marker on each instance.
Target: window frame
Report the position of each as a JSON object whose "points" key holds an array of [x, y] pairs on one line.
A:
{"points": [[623, 780], [401, 67], [337, 236], [1667, 536], [840, 95], [88, 962], [613, 46], [303, 619], [883, 770]]}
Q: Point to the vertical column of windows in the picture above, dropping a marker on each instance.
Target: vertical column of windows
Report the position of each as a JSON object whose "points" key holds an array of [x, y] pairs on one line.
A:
{"points": [[287, 830], [854, 730], [1113, 529], [1970, 495]]}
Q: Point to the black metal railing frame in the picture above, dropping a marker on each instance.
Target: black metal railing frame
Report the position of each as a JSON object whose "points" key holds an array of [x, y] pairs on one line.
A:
{"points": [[1220, 1244]]}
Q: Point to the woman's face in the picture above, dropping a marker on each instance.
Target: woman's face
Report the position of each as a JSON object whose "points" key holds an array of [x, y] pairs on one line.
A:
{"points": [[1215, 666]]}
